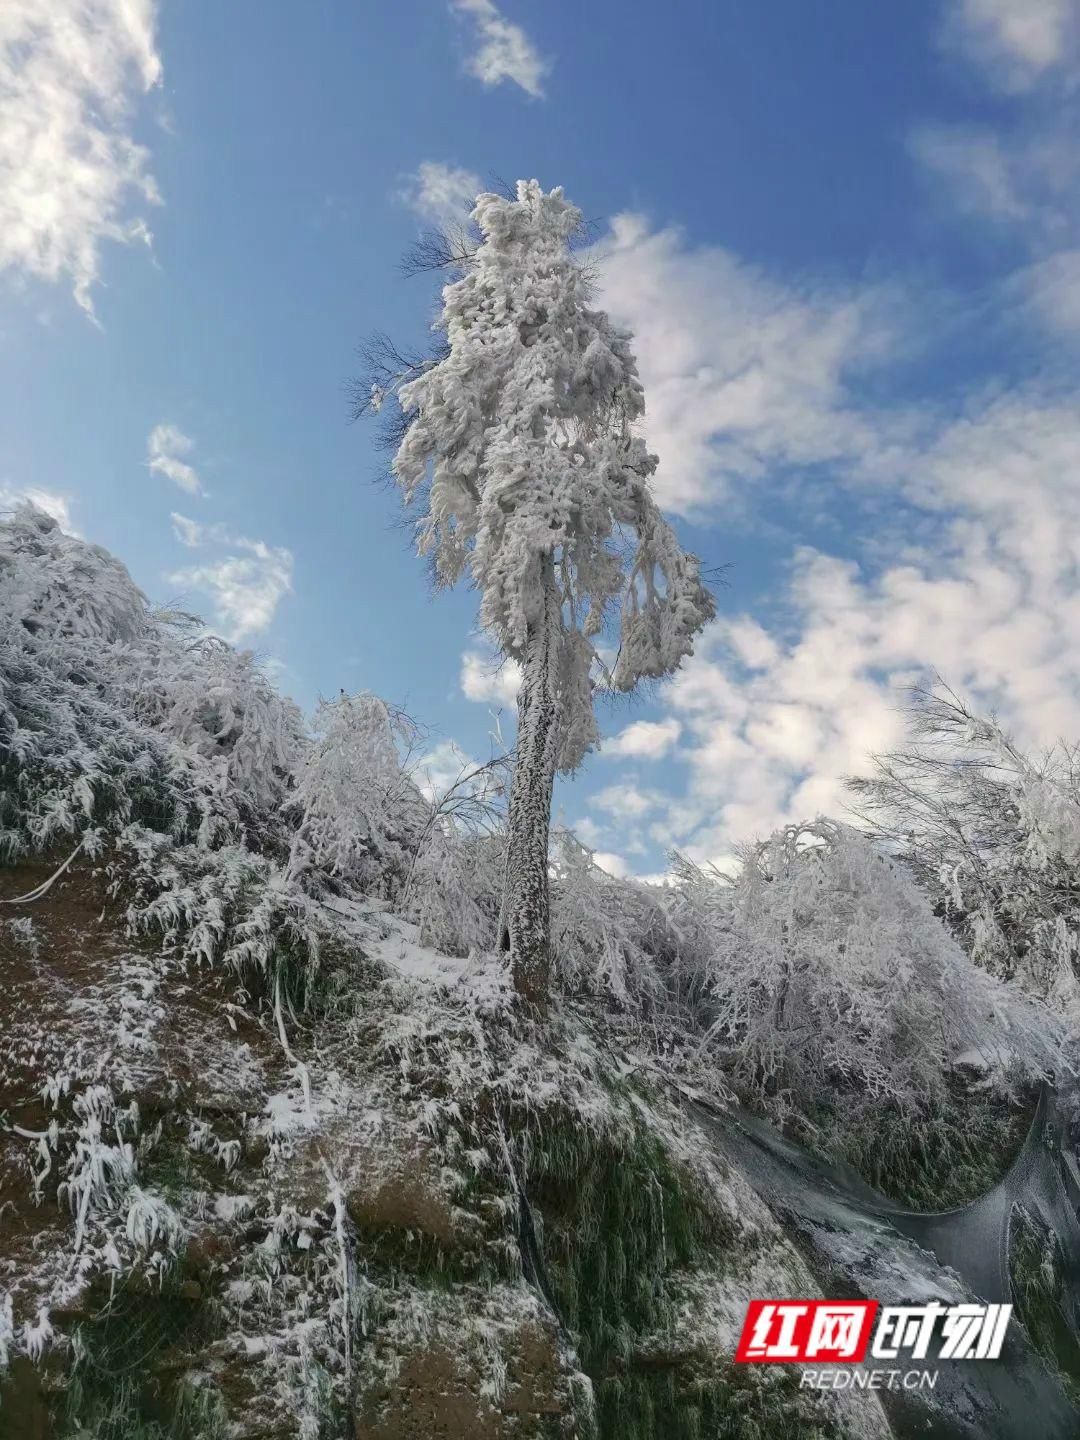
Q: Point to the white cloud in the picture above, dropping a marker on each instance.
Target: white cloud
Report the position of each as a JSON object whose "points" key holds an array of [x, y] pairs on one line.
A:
{"points": [[188, 532], [1025, 179], [489, 680], [1052, 289], [503, 50], [1017, 42], [441, 768], [742, 374], [587, 831], [611, 864], [70, 72], [626, 801], [974, 571], [165, 448], [53, 503], [978, 171], [773, 722], [970, 563], [246, 588], [1020, 175], [443, 194], [644, 740]]}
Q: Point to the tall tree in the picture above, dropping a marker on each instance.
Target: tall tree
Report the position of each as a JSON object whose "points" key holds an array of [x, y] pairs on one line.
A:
{"points": [[518, 441]]}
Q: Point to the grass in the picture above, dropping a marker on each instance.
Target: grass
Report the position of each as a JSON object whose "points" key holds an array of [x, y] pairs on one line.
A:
{"points": [[737, 1403], [939, 1158], [117, 1414], [1038, 1284], [126, 1381], [618, 1218]]}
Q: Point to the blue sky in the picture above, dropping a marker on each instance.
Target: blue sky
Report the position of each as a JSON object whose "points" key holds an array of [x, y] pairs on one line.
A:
{"points": [[846, 236]]}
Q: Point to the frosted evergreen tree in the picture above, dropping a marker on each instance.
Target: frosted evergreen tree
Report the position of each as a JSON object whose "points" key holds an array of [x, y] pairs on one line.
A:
{"points": [[519, 443]]}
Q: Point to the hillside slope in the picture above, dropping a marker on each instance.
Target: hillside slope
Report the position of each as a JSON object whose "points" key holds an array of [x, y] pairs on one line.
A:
{"points": [[280, 1153]]}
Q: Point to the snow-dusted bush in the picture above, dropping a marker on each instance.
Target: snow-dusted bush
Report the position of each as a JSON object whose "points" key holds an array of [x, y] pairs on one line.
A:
{"points": [[455, 888], [360, 818], [993, 836], [610, 936], [455, 883], [218, 705], [113, 715], [827, 974]]}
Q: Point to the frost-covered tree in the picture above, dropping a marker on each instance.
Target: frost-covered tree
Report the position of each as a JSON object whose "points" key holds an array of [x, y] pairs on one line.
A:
{"points": [[519, 442], [993, 834]]}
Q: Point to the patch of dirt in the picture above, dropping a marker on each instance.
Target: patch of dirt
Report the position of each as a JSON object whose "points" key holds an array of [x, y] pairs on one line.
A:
{"points": [[438, 1395]]}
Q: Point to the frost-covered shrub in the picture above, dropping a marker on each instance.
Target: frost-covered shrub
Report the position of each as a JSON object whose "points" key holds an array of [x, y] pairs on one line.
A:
{"points": [[112, 714], [134, 736], [216, 704], [455, 889], [993, 835], [229, 905], [828, 975], [610, 936], [359, 816]]}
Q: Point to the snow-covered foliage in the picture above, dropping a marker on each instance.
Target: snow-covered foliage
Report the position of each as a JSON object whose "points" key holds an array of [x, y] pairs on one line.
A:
{"points": [[360, 817], [131, 733], [610, 937], [112, 715], [827, 975], [993, 835], [455, 889], [522, 440]]}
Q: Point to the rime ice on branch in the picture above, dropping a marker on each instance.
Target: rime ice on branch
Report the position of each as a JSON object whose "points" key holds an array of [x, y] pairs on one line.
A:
{"points": [[539, 488]]}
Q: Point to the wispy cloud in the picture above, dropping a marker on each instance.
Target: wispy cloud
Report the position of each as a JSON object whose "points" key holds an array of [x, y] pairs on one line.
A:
{"points": [[245, 588], [166, 447], [503, 50], [1020, 174], [1051, 287], [977, 170], [441, 193], [1024, 179], [70, 169], [1016, 42]]}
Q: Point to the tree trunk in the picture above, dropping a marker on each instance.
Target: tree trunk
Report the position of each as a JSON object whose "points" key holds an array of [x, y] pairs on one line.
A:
{"points": [[526, 922]]}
